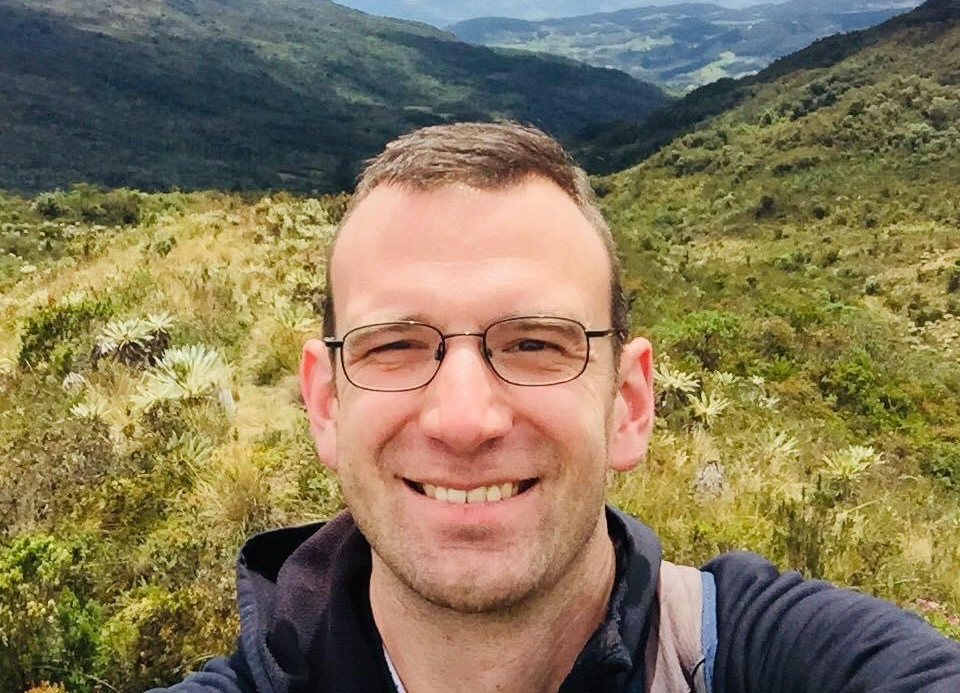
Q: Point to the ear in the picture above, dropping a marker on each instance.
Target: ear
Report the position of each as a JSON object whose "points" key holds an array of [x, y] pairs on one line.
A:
{"points": [[319, 395], [633, 407]]}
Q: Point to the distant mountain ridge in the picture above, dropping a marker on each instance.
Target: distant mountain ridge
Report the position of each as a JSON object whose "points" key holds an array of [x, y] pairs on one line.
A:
{"points": [[442, 13], [684, 45], [256, 94]]}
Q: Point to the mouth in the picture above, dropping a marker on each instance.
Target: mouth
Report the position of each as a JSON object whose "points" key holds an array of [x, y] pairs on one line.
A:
{"points": [[478, 494]]}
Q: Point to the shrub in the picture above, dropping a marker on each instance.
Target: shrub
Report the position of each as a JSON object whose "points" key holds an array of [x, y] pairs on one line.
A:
{"points": [[704, 334], [51, 334], [872, 286], [146, 642], [49, 623], [953, 279], [765, 207], [49, 462], [854, 383], [941, 460]]}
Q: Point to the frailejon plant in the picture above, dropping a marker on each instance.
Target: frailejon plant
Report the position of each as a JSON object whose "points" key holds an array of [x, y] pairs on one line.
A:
{"points": [[674, 387], [184, 373], [708, 407], [135, 341], [845, 468]]}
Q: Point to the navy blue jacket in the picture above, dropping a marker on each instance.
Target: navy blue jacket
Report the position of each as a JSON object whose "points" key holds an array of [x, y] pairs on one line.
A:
{"points": [[306, 626]]}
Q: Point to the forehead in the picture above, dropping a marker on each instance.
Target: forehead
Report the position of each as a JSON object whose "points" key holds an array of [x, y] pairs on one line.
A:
{"points": [[400, 247]]}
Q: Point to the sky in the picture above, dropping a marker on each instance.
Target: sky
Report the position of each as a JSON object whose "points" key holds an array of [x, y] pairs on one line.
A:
{"points": [[444, 12]]}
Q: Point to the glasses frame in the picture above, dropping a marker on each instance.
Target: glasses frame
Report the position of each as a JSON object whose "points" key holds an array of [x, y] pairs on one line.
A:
{"points": [[334, 343]]}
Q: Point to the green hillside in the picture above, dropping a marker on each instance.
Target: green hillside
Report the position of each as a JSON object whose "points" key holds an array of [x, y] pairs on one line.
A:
{"points": [[795, 260], [915, 43], [257, 94]]}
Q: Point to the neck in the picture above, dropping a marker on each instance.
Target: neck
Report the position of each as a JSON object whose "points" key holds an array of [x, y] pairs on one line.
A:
{"points": [[531, 649]]}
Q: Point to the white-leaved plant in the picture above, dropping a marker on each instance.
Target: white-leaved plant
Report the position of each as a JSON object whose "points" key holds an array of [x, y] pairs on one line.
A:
{"points": [[293, 316], [667, 379], [708, 407], [117, 335], [159, 322], [849, 464], [91, 408], [184, 373], [777, 447]]}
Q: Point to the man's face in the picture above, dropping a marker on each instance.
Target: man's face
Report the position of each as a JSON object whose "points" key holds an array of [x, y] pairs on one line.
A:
{"points": [[459, 258]]}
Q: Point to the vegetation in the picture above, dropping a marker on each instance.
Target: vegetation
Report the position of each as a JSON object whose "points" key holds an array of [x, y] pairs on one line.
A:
{"points": [[914, 43], [794, 259], [681, 46], [256, 95]]}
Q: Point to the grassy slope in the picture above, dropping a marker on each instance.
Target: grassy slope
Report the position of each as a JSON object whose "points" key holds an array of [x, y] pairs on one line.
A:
{"points": [[795, 260], [614, 146], [260, 94], [805, 242]]}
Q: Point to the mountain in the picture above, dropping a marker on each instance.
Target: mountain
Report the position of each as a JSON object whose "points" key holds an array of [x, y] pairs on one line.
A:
{"points": [[442, 13], [685, 45], [793, 257], [898, 41], [255, 93]]}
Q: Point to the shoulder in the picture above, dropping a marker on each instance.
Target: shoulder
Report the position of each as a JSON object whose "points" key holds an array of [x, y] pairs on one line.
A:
{"points": [[774, 626]]}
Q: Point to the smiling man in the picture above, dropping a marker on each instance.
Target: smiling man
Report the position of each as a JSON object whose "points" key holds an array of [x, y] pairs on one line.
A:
{"points": [[473, 390]]}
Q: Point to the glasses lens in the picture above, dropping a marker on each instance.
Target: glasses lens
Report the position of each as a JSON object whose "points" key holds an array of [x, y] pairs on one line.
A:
{"points": [[391, 356], [537, 351]]}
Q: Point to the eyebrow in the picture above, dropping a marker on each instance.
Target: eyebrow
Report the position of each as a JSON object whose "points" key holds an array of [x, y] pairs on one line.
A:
{"points": [[424, 318]]}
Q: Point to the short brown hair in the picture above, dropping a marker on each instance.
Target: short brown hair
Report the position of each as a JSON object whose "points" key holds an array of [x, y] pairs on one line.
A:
{"points": [[485, 156]]}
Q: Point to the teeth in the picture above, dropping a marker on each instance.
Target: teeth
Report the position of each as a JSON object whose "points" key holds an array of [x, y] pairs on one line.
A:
{"points": [[480, 494]]}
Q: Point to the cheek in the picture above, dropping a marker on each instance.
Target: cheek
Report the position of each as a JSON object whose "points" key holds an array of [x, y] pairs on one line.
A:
{"points": [[368, 420], [579, 418]]}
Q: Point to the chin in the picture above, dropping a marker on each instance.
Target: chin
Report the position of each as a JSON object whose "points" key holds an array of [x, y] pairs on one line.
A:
{"points": [[472, 584], [477, 594]]}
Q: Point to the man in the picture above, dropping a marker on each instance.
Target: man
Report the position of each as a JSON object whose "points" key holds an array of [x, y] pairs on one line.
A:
{"points": [[472, 392]]}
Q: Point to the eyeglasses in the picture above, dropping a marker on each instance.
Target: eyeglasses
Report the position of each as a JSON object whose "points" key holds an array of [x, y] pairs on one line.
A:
{"points": [[528, 351]]}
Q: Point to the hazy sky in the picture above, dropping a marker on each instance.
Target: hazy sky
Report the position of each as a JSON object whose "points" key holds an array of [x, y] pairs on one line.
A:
{"points": [[442, 12]]}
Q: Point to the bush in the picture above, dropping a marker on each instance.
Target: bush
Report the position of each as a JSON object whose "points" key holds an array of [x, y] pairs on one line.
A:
{"points": [[50, 464], [143, 643], [705, 334], [51, 333], [87, 203], [953, 279], [49, 622], [854, 384], [765, 207], [941, 460]]}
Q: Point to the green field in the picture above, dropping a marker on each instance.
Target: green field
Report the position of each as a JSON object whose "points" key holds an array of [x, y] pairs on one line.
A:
{"points": [[795, 259]]}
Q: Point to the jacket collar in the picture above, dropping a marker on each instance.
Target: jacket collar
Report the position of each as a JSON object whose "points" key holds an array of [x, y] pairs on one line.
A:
{"points": [[306, 623]]}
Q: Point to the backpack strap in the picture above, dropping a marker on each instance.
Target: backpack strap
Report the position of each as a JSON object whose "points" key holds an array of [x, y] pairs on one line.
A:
{"points": [[683, 632]]}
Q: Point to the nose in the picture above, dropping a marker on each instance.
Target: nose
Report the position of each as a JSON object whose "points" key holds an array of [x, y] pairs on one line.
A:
{"points": [[465, 405]]}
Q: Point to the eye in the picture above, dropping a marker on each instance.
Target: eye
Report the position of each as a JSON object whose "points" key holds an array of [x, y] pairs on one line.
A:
{"points": [[392, 346], [532, 345], [396, 345]]}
